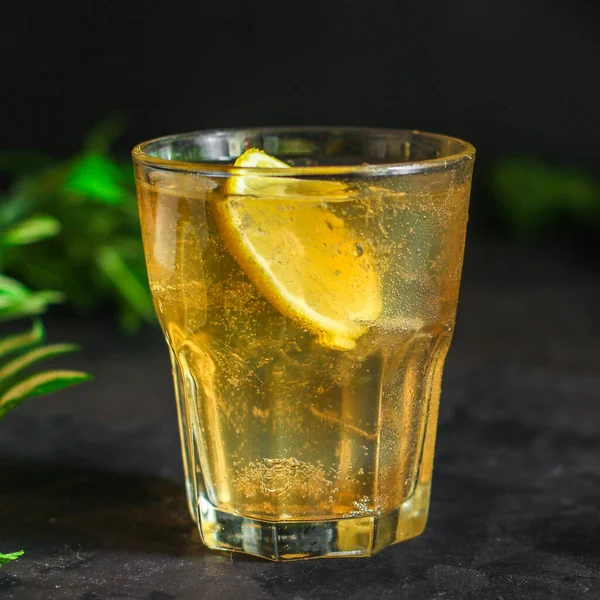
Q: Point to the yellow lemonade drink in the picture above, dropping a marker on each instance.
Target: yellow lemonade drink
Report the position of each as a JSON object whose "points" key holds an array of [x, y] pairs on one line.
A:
{"points": [[308, 320]]}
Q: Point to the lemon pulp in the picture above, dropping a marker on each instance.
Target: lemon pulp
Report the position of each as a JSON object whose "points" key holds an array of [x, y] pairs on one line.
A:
{"points": [[305, 260]]}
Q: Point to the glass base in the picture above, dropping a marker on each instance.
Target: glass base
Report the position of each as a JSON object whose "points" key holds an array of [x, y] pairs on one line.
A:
{"points": [[294, 540]]}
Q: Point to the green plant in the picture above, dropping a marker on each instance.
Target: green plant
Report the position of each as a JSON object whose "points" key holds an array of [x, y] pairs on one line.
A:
{"points": [[97, 261], [4, 558], [19, 352], [534, 197]]}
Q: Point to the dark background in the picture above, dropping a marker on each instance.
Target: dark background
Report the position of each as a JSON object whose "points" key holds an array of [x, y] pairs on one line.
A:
{"points": [[90, 479], [512, 77]]}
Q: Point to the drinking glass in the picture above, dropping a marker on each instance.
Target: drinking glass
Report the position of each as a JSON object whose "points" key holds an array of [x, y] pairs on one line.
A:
{"points": [[306, 281]]}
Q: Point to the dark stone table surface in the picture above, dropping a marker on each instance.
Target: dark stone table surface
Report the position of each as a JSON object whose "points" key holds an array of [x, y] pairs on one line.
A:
{"points": [[91, 483]]}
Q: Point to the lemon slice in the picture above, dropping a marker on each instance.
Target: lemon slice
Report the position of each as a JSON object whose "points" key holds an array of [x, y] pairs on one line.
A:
{"points": [[277, 186], [306, 261]]}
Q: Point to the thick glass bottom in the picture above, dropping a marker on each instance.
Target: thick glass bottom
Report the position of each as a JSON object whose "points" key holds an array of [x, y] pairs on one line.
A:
{"points": [[294, 540]]}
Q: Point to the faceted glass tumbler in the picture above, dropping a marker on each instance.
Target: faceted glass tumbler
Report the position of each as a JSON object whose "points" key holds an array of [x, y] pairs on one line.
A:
{"points": [[306, 281]]}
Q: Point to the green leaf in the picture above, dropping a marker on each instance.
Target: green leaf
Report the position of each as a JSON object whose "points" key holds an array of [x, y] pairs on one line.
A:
{"points": [[35, 303], [4, 558], [11, 287], [16, 365], [133, 291], [20, 341], [31, 230], [37, 385], [97, 178]]}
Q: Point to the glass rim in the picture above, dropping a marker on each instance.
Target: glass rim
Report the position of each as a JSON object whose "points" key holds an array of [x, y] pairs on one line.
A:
{"points": [[466, 152]]}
